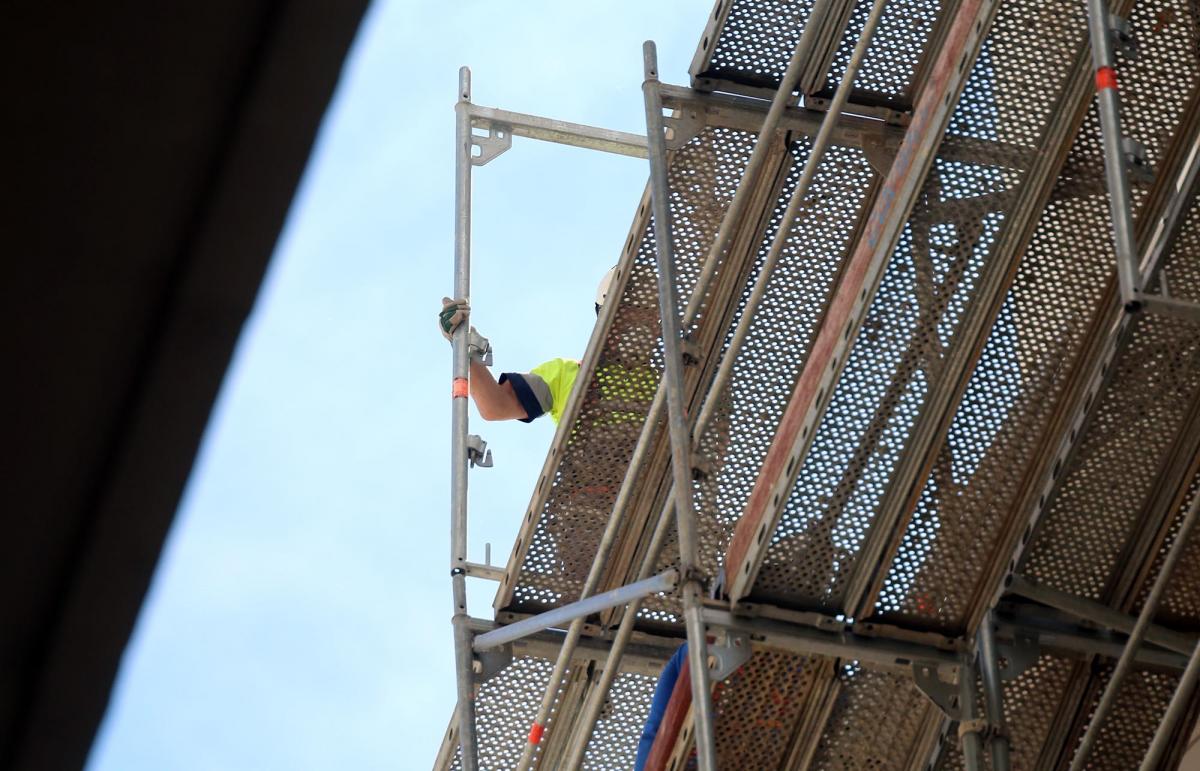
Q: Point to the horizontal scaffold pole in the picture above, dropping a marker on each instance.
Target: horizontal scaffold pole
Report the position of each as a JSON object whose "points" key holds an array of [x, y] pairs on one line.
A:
{"points": [[560, 132], [1098, 613], [663, 582]]}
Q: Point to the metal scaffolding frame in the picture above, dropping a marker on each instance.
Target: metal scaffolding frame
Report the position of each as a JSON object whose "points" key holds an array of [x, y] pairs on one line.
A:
{"points": [[1024, 622]]}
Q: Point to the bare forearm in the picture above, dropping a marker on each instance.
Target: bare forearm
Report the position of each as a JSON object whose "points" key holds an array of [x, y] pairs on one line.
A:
{"points": [[494, 401]]}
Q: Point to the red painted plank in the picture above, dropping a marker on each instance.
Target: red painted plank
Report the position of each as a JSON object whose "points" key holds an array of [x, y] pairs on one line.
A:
{"points": [[920, 136]]}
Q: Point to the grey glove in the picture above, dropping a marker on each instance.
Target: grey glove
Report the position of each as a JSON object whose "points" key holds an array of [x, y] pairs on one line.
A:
{"points": [[455, 312]]}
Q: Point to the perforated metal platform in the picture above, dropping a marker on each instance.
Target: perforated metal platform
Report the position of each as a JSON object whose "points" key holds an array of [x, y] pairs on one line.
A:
{"points": [[917, 413]]}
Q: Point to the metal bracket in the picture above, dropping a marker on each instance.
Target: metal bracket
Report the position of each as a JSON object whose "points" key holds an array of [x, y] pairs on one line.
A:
{"points": [[727, 654], [945, 695], [477, 452], [1137, 161], [1122, 37], [682, 127], [498, 139], [1020, 654], [489, 663]]}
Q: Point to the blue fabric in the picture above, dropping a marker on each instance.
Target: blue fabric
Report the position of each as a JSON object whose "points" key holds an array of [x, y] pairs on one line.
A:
{"points": [[658, 706], [533, 408]]}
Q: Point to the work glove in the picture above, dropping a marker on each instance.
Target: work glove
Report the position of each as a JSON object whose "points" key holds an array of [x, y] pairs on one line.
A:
{"points": [[455, 312]]}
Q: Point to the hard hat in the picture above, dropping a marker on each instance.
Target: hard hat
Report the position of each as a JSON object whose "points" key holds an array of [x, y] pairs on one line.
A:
{"points": [[605, 284]]}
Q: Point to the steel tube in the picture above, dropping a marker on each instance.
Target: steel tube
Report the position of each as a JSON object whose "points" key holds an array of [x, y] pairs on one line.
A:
{"points": [[758, 155], [612, 664], [828, 124], [715, 254], [972, 742], [993, 693], [561, 132], [611, 528], [1175, 711], [681, 462], [1169, 306], [463, 658], [1109, 107], [809, 641], [1144, 620], [557, 617], [1098, 613]]}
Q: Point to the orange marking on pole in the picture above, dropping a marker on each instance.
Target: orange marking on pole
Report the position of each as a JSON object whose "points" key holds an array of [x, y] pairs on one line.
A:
{"points": [[459, 389], [535, 733], [1106, 77]]}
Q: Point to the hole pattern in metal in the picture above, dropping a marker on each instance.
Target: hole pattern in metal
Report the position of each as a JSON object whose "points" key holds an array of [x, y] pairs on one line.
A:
{"points": [[1180, 604], [1129, 727], [895, 51], [613, 746], [1035, 344], [575, 508], [1032, 701], [759, 36], [504, 710], [778, 340], [507, 704], [772, 689], [1155, 381], [876, 720], [1100, 501], [952, 240]]}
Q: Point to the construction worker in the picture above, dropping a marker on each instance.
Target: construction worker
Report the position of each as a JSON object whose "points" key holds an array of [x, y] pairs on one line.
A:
{"points": [[523, 396]]}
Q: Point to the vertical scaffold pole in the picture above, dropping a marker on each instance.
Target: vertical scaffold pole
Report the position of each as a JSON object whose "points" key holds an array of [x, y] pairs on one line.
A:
{"points": [[681, 466], [1108, 103], [463, 657], [993, 693], [715, 255], [972, 743]]}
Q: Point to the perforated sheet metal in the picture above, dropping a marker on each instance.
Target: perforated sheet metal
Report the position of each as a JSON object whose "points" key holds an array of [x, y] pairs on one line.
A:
{"points": [[1154, 386], [1035, 344], [570, 509], [506, 705], [760, 708], [952, 249], [1032, 702], [778, 342], [756, 42], [1096, 513], [613, 746], [1129, 728], [878, 722], [1180, 604]]}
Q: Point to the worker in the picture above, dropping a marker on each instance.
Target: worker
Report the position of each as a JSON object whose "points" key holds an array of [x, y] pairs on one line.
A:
{"points": [[523, 396]]}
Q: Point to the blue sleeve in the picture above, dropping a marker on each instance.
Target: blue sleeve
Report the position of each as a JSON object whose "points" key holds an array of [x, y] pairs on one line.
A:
{"points": [[658, 706]]}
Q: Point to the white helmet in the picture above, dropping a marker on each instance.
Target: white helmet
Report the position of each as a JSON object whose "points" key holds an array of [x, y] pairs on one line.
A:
{"points": [[605, 284]]}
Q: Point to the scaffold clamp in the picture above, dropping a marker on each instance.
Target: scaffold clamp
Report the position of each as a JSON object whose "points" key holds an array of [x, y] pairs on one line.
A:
{"points": [[492, 145], [477, 452], [1137, 160], [728, 653], [945, 695], [1122, 37]]}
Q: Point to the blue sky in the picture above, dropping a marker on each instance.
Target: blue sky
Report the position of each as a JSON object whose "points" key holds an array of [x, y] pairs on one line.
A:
{"points": [[300, 615]]}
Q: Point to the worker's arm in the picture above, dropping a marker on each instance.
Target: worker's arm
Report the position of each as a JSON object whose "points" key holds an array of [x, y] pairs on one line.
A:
{"points": [[495, 401]]}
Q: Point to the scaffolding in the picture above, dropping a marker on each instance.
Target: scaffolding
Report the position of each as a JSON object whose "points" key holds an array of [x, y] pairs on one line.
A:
{"points": [[919, 478]]}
